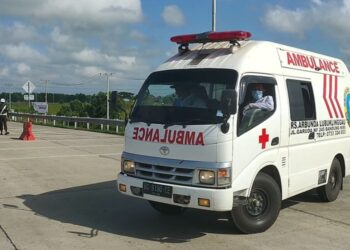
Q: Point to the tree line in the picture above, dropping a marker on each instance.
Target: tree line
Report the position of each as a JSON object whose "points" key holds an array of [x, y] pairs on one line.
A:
{"points": [[81, 105]]}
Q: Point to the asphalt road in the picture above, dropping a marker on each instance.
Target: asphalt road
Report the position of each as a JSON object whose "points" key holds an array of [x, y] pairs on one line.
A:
{"points": [[59, 192]]}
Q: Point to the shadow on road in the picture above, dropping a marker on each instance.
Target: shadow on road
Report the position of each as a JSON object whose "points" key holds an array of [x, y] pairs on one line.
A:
{"points": [[100, 207], [307, 197]]}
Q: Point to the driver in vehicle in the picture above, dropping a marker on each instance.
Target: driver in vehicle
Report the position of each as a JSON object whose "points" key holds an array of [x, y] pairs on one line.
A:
{"points": [[260, 98], [189, 96]]}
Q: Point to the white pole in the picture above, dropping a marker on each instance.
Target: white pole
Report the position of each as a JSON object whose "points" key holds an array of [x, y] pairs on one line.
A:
{"points": [[47, 109], [10, 99], [28, 96], [107, 96], [107, 102], [214, 16], [46, 90]]}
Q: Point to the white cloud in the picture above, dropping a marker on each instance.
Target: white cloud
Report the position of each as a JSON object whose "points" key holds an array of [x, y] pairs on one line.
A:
{"points": [[23, 68], [58, 37], [128, 60], [138, 36], [21, 52], [173, 15], [289, 21], [82, 11], [88, 71], [126, 63], [68, 41], [87, 56], [17, 32], [4, 71], [317, 2], [331, 18]]}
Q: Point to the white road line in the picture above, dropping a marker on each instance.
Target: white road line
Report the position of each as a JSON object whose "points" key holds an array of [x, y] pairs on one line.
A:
{"points": [[63, 146], [57, 156], [57, 140]]}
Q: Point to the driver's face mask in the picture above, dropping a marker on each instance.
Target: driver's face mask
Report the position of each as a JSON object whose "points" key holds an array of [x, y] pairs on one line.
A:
{"points": [[257, 94]]}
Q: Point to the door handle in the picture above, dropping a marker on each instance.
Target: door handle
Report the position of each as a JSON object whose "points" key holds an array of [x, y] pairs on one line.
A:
{"points": [[312, 136], [275, 141]]}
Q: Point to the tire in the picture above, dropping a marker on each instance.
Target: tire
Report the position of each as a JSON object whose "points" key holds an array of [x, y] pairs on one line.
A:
{"points": [[166, 208], [262, 209], [330, 191]]}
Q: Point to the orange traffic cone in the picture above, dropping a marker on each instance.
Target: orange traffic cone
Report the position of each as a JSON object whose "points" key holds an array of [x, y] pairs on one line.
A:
{"points": [[27, 134]]}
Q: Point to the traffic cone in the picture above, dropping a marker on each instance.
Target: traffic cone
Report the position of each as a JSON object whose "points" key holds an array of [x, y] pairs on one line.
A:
{"points": [[27, 134]]}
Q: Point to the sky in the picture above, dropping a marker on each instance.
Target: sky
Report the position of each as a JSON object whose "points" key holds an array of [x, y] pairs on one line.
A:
{"points": [[73, 45]]}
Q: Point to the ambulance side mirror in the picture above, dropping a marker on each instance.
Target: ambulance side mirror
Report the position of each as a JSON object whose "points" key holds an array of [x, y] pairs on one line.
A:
{"points": [[229, 102]]}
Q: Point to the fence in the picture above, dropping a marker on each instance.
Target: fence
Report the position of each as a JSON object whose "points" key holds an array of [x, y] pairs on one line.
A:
{"points": [[66, 121]]}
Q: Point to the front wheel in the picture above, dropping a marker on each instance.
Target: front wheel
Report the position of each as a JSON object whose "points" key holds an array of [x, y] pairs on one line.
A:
{"points": [[330, 191], [166, 208], [262, 208]]}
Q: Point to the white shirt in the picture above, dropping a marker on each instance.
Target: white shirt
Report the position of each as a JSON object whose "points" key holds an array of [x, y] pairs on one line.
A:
{"points": [[265, 103]]}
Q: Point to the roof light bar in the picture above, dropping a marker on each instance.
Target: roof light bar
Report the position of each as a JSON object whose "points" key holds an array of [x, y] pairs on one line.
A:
{"points": [[211, 37]]}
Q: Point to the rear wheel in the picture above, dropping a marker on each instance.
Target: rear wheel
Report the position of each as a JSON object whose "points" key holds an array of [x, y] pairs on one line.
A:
{"points": [[262, 208], [166, 208], [330, 191]]}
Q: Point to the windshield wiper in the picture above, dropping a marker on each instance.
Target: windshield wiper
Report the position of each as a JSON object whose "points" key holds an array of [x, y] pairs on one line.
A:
{"points": [[185, 123]]}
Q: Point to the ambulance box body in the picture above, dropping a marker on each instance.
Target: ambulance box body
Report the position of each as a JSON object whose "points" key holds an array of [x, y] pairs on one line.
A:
{"points": [[197, 138]]}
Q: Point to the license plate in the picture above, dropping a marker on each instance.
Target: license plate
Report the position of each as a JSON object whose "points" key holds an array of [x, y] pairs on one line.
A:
{"points": [[158, 190]]}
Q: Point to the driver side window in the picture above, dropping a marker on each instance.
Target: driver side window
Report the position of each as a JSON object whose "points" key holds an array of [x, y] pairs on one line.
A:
{"points": [[257, 101]]}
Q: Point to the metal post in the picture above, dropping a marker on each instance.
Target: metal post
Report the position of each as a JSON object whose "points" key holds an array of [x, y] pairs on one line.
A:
{"points": [[107, 75], [107, 102], [28, 97], [10, 99], [214, 15], [46, 90]]}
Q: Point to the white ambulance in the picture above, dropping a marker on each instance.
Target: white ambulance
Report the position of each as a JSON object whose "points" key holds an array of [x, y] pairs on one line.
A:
{"points": [[236, 125]]}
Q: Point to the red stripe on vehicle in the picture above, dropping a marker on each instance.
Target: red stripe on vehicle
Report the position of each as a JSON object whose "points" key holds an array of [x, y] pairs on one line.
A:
{"points": [[336, 97], [325, 95], [330, 95]]}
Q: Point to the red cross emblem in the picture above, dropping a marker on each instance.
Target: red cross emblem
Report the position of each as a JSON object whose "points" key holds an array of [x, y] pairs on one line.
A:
{"points": [[263, 138]]}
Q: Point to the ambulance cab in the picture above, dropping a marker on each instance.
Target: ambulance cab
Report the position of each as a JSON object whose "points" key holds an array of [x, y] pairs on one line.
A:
{"points": [[235, 125]]}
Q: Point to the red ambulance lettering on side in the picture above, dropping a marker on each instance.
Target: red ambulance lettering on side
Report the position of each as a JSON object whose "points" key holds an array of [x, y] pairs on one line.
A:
{"points": [[311, 62], [169, 136]]}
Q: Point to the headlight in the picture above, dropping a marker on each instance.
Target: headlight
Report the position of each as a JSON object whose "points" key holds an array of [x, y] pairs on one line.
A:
{"points": [[128, 167], [207, 177], [224, 176]]}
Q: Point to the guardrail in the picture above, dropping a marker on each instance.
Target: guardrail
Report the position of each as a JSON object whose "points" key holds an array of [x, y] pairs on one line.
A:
{"points": [[66, 121]]}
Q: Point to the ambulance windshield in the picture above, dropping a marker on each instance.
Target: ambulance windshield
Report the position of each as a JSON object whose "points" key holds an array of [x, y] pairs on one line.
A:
{"points": [[191, 96]]}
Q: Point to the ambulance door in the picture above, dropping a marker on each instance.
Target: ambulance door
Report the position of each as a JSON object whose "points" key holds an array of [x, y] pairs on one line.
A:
{"points": [[258, 129], [301, 135]]}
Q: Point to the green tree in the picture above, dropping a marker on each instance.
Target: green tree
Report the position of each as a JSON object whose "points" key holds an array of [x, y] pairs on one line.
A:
{"points": [[65, 110], [98, 107], [74, 108]]}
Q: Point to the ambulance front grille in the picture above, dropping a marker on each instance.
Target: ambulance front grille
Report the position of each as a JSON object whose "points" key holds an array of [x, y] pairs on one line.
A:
{"points": [[174, 175]]}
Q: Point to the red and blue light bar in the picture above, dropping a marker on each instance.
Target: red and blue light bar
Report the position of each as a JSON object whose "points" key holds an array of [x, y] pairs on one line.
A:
{"points": [[211, 37]]}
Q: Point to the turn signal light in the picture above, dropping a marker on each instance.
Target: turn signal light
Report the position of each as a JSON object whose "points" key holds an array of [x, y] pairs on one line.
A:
{"points": [[122, 188], [203, 202]]}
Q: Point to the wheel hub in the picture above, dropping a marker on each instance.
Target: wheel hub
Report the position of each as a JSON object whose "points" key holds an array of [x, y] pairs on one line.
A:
{"points": [[333, 180], [257, 203]]}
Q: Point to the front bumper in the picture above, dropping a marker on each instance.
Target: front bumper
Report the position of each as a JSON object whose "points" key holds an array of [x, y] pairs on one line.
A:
{"points": [[220, 199]]}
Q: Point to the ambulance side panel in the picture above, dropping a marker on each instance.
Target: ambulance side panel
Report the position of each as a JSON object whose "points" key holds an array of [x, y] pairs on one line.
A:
{"points": [[307, 146], [315, 141]]}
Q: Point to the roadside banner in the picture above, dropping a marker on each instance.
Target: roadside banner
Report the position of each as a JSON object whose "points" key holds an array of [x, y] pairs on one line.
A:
{"points": [[41, 107]]}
